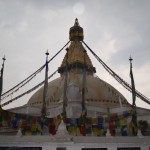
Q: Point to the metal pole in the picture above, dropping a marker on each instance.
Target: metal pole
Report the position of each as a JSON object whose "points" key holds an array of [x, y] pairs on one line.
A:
{"points": [[1, 77], [45, 87]]}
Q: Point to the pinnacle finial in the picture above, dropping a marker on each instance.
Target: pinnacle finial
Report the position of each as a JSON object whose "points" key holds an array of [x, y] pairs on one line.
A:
{"points": [[76, 22], [47, 53], [76, 32], [4, 58], [130, 59], [3, 61]]}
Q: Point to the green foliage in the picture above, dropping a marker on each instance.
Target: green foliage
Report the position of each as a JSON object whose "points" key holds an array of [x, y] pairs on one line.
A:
{"points": [[143, 126]]}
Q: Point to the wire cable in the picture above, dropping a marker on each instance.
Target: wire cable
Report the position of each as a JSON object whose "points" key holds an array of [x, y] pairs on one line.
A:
{"points": [[29, 78], [27, 92], [119, 79]]}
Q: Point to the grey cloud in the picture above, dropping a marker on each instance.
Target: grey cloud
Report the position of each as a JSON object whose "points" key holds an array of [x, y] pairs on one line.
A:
{"points": [[113, 29]]}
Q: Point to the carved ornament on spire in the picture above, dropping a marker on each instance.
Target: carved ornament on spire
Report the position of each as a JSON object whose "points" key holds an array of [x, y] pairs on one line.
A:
{"points": [[76, 32]]}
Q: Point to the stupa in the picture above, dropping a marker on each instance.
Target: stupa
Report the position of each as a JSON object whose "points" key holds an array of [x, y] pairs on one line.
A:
{"points": [[91, 106], [100, 97]]}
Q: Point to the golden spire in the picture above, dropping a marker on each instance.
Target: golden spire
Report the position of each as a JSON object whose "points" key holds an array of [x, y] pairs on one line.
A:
{"points": [[76, 32], [76, 52]]}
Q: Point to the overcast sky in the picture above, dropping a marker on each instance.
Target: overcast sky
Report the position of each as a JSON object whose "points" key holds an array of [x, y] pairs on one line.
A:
{"points": [[114, 29]]}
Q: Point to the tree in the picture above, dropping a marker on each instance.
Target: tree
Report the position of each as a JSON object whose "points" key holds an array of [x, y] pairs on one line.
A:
{"points": [[143, 126]]}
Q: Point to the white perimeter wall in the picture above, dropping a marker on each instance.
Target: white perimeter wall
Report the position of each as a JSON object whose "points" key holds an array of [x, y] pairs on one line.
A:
{"points": [[75, 143]]}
